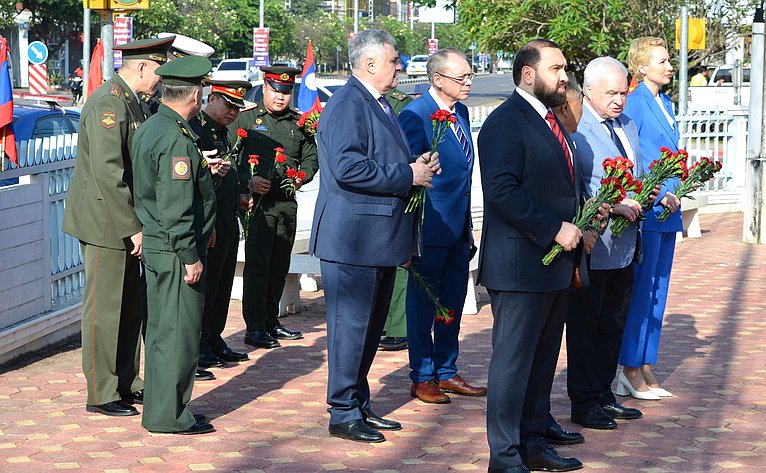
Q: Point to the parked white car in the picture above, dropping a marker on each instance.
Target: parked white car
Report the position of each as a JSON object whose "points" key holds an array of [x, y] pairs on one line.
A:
{"points": [[417, 66], [236, 69]]}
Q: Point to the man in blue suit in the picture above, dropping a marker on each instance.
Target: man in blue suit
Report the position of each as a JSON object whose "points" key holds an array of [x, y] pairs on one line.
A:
{"points": [[360, 231], [446, 234], [597, 313], [531, 194]]}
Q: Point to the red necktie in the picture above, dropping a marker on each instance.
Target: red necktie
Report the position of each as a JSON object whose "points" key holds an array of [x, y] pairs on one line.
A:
{"points": [[559, 134]]}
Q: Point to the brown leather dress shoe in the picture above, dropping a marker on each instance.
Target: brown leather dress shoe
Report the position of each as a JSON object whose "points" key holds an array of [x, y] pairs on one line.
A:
{"points": [[458, 385], [429, 392]]}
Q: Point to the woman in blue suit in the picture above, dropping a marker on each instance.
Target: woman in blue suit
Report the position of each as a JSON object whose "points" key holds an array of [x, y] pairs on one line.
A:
{"points": [[652, 112]]}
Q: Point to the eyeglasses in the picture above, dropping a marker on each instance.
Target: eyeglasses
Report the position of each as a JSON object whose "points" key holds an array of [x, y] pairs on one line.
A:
{"points": [[460, 80]]}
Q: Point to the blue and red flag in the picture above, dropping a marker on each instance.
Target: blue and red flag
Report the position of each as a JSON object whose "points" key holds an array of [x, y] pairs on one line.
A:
{"points": [[7, 138], [308, 97]]}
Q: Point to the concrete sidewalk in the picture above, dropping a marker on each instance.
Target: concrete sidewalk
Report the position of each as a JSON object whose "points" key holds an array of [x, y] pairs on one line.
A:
{"points": [[271, 415]]}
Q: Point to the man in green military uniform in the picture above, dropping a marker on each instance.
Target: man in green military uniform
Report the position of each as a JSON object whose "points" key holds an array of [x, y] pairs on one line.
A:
{"points": [[223, 105], [99, 212], [175, 201], [271, 125]]}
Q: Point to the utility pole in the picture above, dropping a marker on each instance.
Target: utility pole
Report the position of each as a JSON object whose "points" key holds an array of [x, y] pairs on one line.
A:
{"points": [[356, 17], [260, 15], [85, 52], [756, 147], [107, 39], [683, 65]]}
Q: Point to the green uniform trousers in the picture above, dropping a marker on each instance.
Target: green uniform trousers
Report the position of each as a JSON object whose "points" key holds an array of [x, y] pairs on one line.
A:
{"points": [[172, 341], [267, 260], [396, 323], [221, 266], [112, 312]]}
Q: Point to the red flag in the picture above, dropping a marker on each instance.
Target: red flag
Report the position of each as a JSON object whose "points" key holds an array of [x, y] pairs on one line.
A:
{"points": [[7, 138], [308, 97], [96, 77]]}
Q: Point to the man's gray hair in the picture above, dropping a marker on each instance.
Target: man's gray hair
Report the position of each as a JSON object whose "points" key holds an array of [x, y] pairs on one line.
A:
{"points": [[177, 93], [439, 60], [598, 68], [365, 44], [573, 88]]}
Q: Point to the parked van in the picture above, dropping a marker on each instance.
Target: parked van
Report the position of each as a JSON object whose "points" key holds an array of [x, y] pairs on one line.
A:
{"points": [[236, 69]]}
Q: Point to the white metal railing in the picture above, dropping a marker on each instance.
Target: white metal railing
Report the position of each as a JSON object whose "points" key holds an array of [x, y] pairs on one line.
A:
{"points": [[718, 134], [49, 162]]}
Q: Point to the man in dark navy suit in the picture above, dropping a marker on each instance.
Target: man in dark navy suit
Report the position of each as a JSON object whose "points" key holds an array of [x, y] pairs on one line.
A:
{"points": [[360, 231], [531, 193]]}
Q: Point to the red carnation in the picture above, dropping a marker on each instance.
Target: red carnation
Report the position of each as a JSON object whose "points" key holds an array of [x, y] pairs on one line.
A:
{"points": [[302, 175], [242, 133], [253, 158], [291, 173]]}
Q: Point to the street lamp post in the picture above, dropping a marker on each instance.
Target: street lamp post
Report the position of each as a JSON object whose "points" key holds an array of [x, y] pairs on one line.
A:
{"points": [[22, 20]]}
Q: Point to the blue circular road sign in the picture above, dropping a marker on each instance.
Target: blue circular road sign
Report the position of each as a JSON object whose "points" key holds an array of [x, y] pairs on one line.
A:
{"points": [[37, 52]]}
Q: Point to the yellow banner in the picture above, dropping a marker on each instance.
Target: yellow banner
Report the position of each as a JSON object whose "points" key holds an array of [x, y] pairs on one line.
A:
{"points": [[116, 4], [696, 33]]}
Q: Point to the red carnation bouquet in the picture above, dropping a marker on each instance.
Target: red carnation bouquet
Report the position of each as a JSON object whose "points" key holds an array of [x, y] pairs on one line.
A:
{"points": [[669, 165], [441, 120], [233, 153], [290, 182], [309, 122], [697, 176], [443, 314], [252, 160], [615, 184], [279, 160]]}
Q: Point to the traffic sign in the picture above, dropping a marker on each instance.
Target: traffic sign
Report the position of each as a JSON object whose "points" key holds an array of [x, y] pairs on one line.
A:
{"points": [[37, 52], [38, 79]]}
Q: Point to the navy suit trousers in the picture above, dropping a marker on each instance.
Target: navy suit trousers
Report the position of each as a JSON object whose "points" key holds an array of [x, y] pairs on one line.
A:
{"points": [[526, 337], [357, 299]]}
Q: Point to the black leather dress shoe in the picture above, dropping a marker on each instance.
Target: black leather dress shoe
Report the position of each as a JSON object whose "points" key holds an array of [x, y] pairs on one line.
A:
{"points": [[201, 419], [549, 460], [261, 339], [618, 411], [283, 333], [202, 375], [114, 408], [197, 428], [595, 419], [227, 354], [514, 469], [556, 435], [209, 360], [393, 343], [376, 422], [356, 430], [134, 398]]}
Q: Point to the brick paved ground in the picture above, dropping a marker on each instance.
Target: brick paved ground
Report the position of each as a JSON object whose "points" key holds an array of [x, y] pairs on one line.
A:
{"points": [[270, 411]]}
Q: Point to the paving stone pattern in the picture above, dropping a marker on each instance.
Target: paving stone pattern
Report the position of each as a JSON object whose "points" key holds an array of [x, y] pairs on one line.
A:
{"points": [[271, 416]]}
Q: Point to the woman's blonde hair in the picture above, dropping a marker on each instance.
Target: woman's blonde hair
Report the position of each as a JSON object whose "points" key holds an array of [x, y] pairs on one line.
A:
{"points": [[640, 53]]}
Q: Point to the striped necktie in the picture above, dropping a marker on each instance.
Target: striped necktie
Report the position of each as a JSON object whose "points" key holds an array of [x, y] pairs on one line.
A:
{"points": [[559, 134], [463, 139], [609, 122]]}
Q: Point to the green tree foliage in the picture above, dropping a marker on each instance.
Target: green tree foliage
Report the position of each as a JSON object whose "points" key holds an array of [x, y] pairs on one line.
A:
{"points": [[53, 21]]}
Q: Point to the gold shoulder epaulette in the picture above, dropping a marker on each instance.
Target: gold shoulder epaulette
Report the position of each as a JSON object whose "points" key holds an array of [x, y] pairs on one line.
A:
{"points": [[183, 128], [116, 89]]}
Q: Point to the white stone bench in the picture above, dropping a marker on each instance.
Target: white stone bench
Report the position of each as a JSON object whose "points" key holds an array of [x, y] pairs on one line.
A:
{"points": [[690, 216]]}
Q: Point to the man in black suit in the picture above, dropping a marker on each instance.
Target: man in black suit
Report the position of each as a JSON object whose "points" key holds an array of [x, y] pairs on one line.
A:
{"points": [[530, 197]]}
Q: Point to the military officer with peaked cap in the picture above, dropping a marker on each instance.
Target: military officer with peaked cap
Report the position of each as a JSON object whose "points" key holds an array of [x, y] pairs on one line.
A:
{"points": [[99, 212], [175, 201], [271, 124], [223, 105], [182, 46]]}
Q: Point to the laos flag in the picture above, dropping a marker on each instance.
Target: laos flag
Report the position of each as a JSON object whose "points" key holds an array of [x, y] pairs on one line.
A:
{"points": [[7, 138], [308, 98]]}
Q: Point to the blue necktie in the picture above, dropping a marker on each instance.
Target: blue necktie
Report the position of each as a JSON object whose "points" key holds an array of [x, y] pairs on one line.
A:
{"points": [[609, 122], [463, 139], [388, 110]]}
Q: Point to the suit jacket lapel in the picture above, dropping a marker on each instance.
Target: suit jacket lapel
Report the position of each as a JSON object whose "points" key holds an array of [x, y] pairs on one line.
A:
{"points": [[542, 128], [377, 110], [658, 113]]}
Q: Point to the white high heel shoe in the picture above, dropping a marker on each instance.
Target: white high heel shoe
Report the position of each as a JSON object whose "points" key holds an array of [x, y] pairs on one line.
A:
{"points": [[624, 388], [661, 392]]}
